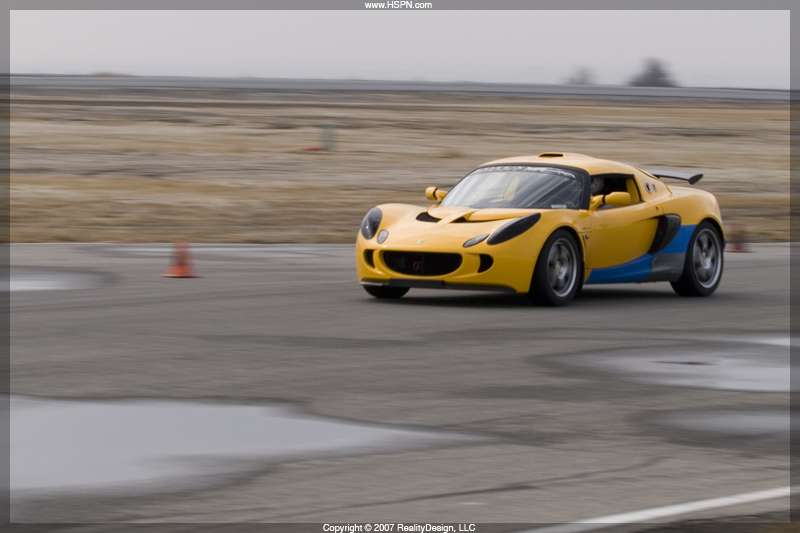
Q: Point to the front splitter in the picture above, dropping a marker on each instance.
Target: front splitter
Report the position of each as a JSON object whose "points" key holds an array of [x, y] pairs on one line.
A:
{"points": [[434, 284]]}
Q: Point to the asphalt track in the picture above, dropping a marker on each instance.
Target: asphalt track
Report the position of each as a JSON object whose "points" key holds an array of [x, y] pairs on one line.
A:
{"points": [[566, 440]]}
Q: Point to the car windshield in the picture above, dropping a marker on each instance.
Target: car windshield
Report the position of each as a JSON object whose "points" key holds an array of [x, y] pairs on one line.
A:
{"points": [[524, 187]]}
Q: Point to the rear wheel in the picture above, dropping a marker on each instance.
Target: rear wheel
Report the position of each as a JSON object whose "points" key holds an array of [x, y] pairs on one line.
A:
{"points": [[556, 277], [702, 270], [379, 291]]}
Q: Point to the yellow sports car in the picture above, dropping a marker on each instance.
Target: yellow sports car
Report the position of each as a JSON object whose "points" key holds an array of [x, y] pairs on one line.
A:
{"points": [[546, 225]]}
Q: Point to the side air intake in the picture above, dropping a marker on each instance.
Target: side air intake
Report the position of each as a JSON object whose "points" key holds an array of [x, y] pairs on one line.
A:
{"points": [[667, 229]]}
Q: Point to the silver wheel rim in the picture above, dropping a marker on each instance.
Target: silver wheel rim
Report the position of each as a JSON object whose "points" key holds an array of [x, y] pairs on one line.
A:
{"points": [[707, 258], [562, 267]]}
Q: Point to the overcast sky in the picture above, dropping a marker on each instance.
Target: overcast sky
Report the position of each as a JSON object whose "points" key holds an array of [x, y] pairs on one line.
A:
{"points": [[699, 48]]}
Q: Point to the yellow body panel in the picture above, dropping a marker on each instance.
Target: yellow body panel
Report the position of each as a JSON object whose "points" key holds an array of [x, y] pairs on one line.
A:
{"points": [[621, 234], [608, 236]]}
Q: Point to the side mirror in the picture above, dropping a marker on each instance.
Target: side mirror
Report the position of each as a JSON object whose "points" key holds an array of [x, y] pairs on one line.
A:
{"points": [[614, 198], [437, 195], [618, 198]]}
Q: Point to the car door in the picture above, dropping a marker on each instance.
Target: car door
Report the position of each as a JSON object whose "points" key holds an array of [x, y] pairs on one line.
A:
{"points": [[621, 234]]}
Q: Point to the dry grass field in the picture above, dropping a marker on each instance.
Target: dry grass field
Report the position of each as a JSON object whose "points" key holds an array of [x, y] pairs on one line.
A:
{"points": [[160, 165]]}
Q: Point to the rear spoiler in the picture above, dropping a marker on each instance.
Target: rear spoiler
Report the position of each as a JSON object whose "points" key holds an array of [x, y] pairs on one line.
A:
{"points": [[675, 174]]}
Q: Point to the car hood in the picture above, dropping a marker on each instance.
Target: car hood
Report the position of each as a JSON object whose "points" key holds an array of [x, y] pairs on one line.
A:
{"points": [[442, 226], [472, 214]]}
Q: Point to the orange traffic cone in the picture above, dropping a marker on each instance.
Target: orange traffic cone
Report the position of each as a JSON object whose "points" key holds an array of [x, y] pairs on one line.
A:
{"points": [[181, 263], [737, 239]]}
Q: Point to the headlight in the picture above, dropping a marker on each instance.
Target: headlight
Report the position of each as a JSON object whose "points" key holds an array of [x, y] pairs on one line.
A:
{"points": [[514, 228], [371, 222], [475, 240], [382, 236]]}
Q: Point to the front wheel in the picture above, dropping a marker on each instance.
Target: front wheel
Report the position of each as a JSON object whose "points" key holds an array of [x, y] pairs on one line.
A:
{"points": [[379, 291], [556, 277], [702, 270]]}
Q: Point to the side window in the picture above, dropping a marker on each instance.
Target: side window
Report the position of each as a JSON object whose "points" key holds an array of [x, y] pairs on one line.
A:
{"points": [[607, 183]]}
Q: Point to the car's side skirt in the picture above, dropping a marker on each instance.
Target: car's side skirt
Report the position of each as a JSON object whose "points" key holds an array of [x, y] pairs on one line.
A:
{"points": [[667, 267]]}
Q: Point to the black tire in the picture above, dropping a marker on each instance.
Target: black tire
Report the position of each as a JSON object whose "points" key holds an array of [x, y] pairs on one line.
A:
{"points": [[558, 272], [702, 270], [379, 291]]}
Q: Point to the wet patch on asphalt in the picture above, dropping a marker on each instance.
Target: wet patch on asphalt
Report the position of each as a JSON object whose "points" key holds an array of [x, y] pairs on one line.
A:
{"points": [[147, 445], [24, 279], [757, 366]]}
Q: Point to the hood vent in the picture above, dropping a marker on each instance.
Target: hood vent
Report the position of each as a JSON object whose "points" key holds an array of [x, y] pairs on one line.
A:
{"points": [[551, 154], [425, 217]]}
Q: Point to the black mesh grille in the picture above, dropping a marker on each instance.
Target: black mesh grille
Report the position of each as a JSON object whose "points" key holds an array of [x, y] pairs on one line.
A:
{"points": [[422, 263]]}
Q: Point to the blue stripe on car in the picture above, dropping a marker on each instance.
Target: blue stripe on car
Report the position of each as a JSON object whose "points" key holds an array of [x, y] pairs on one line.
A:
{"points": [[639, 268]]}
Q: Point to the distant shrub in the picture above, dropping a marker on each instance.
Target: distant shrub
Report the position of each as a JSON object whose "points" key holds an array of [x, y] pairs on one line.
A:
{"points": [[582, 76], [654, 74]]}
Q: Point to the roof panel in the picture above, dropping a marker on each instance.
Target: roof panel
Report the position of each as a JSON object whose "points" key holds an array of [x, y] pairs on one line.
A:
{"points": [[590, 164]]}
